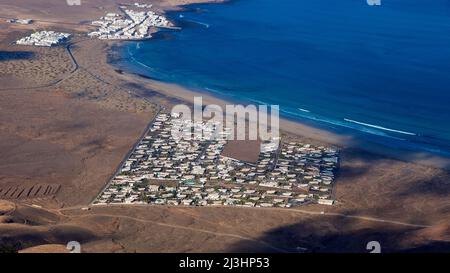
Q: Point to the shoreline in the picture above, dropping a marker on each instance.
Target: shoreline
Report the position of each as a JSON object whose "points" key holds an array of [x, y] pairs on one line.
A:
{"points": [[342, 141], [289, 125], [295, 127]]}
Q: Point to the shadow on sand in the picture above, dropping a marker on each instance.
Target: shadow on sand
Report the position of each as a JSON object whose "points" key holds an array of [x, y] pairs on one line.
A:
{"points": [[17, 55], [336, 235], [329, 233]]}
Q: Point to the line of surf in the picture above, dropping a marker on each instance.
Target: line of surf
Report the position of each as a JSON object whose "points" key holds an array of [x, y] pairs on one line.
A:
{"points": [[333, 122], [133, 59], [197, 22], [380, 127]]}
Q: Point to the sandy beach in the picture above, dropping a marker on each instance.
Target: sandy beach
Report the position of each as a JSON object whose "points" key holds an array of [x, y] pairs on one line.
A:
{"points": [[293, 127]]}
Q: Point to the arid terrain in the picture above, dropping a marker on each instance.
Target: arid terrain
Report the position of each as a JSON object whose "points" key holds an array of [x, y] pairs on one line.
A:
{"points": [[68, 118]]}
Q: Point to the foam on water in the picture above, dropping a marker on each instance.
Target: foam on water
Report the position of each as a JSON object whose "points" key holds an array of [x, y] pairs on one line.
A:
{"points": [[380, 127]]}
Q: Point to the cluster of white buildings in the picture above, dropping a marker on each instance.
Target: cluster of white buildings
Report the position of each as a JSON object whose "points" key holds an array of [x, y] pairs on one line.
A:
{"points": [[168, 171], [20, 21], [44, 38], [144, 6], [307, 167], [135, 25]]}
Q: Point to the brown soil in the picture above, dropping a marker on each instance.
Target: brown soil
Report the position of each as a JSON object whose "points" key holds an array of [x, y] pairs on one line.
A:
{"points": [[66, 129]]}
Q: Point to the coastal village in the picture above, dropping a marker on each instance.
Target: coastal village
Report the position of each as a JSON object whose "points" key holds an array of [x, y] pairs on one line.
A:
{"points": [[135, 23], [192, 171], [44, 38], [195, 172]]}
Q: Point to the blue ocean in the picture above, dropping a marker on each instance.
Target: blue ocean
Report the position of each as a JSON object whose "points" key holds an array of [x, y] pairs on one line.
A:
{"points": [[381, 73]]}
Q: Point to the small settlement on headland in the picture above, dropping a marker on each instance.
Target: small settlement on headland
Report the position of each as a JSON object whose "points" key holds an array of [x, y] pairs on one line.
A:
{"points": [[135, 23], [195, 172], [167, 171], [44, 38]]}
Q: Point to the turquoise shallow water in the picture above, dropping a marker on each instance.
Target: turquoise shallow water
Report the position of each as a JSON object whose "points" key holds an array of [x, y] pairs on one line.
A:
{"points": [[380, 73]]}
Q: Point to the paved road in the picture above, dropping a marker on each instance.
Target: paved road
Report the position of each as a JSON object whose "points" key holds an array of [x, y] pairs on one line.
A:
{"points": [[366, 218], [122, 163], [55, 82], [76, 67], [315, 213], [224, 234]]}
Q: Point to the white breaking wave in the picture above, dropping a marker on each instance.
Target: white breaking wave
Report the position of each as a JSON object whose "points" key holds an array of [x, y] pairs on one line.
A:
{"points": [[380, 127], [341, 123], [216, 91], [304, 110], [200, 23], [138, 62]]}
